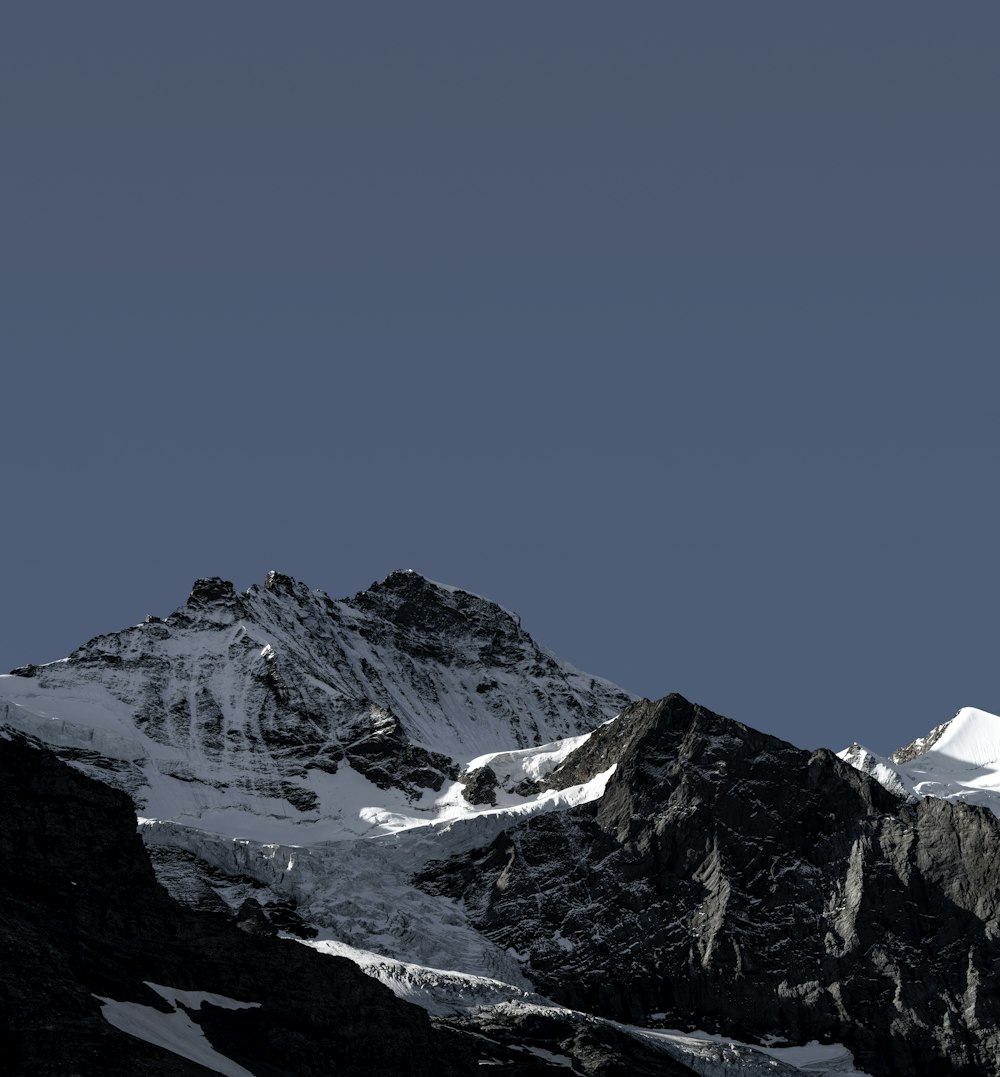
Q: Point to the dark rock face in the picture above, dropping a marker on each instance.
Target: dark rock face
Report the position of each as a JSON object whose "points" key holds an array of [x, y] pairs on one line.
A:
{"points": [[251, 918], [377, 746], [81, 915], [481, 786], [426, 625], [213, 591], [730, 880]]}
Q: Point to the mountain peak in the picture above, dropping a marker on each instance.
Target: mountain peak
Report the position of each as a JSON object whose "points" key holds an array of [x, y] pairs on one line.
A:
{"points": [[957, 760], [211, 590], [408, 582], [281, 584], [972, 738], [405, 581], [212, 600], [282, 686], [415, 603]]}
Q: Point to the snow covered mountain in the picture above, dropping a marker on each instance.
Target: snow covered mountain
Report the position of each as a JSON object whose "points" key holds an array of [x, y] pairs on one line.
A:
{"points": [[269, 713], [561, 875], [958, 761]]}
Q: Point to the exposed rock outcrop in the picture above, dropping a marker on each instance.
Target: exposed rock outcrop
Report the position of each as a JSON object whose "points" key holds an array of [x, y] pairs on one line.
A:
{"points": [[481, 786], [730, 880]]}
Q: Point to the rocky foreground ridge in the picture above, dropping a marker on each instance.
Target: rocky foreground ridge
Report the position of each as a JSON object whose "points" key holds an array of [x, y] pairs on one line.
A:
{"points": [[767, 890], [559, 874]]}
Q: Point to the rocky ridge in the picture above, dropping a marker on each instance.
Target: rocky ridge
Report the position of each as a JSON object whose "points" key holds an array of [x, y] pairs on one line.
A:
{"points": [[729, 878]]}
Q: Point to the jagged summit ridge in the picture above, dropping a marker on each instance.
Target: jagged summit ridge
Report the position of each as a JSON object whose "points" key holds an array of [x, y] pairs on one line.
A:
{"points": [[261, 698], [408, 586]]}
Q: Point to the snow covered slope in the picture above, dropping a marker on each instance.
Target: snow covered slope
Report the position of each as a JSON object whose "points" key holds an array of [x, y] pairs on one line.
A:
{"points": [[958, 761], [277, 708]]}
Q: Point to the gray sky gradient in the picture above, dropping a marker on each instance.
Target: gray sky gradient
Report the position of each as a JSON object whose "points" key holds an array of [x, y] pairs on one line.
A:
{"points": [[672, 327]]}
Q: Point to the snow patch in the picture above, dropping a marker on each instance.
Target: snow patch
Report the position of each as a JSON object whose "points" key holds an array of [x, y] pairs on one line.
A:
{"points": [[527, 763], [176, 1032]]}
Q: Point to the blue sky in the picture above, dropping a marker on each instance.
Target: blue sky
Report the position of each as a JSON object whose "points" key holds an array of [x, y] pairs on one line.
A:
{"points": [[671, 327]]}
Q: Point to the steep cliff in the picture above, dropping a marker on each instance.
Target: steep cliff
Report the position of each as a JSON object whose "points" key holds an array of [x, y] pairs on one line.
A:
{"points": [[730, 880]]}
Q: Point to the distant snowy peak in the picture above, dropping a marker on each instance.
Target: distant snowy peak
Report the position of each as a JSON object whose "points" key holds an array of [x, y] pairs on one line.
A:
{"points": [[971, 739], [958, 761], [260, 697]]}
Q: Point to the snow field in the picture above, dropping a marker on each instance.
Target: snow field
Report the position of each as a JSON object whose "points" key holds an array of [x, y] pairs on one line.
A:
{"points": [[176, 1032]]}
